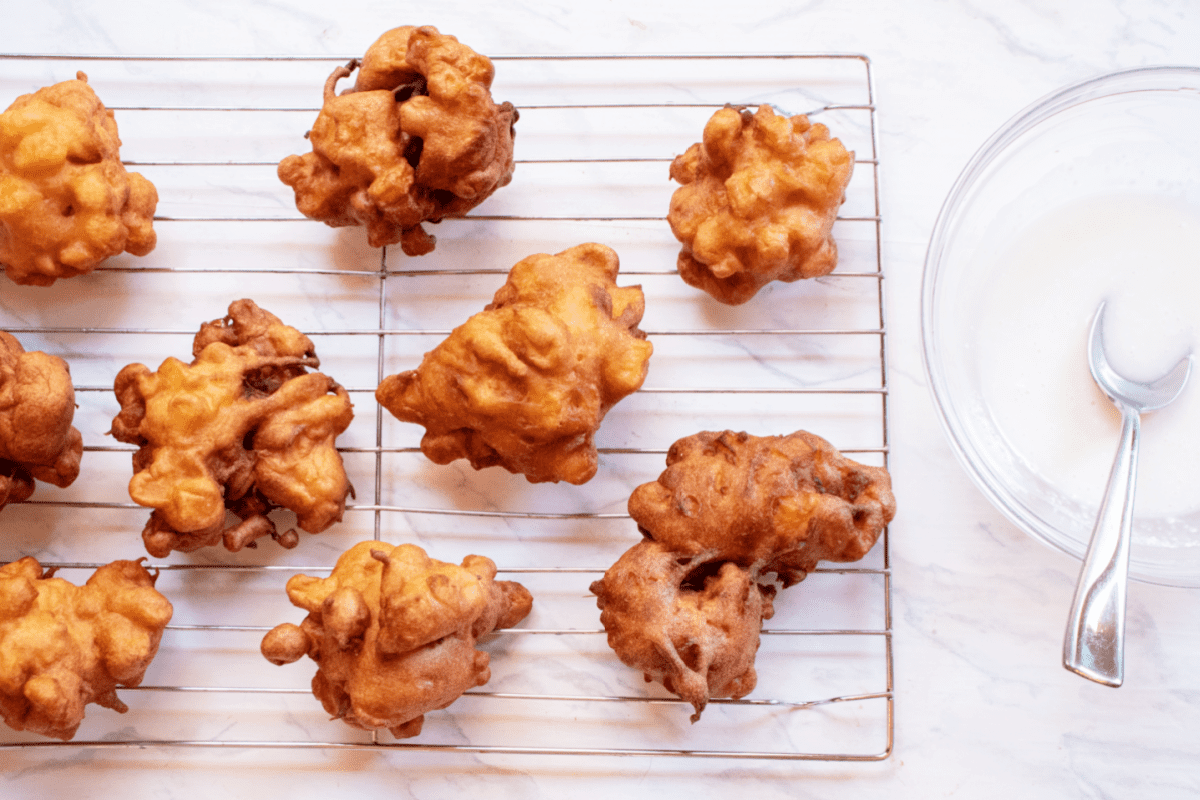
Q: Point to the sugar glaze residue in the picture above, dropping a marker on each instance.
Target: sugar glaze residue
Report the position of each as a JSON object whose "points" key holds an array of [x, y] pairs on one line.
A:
{"points": [[1142, 255]]}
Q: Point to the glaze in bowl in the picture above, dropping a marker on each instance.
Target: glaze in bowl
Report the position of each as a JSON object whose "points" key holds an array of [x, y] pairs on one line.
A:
{"points": [[1066, 179]]}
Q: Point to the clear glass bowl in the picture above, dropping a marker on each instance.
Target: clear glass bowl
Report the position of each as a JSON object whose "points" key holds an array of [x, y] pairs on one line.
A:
{"points": [[1128, 134]]}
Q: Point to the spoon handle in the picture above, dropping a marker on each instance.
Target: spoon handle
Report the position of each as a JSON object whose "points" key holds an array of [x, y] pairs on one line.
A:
{"points": [[1094, 643]]}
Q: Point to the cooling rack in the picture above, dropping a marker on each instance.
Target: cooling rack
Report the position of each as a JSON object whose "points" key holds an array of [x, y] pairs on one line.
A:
{"points": [[594, 140]]}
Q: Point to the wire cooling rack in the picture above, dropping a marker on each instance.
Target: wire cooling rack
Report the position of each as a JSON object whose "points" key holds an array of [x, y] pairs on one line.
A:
{"points": [[594, 140]]}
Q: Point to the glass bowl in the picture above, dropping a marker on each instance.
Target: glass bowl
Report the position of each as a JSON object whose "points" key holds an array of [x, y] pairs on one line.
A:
{"points": [[1092, 193]]}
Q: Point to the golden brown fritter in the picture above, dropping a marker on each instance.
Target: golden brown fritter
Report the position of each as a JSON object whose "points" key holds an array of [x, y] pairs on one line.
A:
{"points": [[757, 203], [417, 139], [66, 200], [690, 625], [37, 406], [394, 632], [733, 518], [525, 383], [63, 646], [244, 427], [778, 504]]}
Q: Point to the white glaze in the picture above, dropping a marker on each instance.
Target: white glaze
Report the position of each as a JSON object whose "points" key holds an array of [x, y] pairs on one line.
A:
{"points": [[1141, 254]]}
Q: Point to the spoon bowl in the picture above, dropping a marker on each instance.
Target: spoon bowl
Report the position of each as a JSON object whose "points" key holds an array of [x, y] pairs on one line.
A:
{"points": [[1094, 642]]}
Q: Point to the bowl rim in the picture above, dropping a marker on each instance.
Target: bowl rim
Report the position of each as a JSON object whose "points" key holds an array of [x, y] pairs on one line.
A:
{"points": [[1146, 78]]}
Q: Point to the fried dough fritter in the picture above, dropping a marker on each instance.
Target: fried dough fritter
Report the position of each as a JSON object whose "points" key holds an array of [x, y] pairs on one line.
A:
{"points": [[245, 427], [757, 202], [732, 519], [778, 504], [37, 406], [525, 383], [417, 139], [63, 646], [66, 200], [394, 631], [693, 630]]}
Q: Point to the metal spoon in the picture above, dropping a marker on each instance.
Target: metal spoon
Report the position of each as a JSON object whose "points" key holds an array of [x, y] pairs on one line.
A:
{"points": [[1094, 644]]}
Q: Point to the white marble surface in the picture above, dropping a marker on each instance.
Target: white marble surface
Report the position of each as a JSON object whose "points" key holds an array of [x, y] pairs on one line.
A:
{"points": [[983, 708]]}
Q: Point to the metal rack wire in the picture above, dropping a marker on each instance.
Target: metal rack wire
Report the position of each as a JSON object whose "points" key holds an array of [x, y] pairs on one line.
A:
{"points": [[595, 137]]}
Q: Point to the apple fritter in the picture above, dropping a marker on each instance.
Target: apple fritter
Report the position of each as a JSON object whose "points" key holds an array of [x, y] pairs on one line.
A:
{"points": [[66, 200], [37, 406], [394, 633], [526, 383], [64, 646], [757, 202], [732, 519], [416, 139], [245, 427]]}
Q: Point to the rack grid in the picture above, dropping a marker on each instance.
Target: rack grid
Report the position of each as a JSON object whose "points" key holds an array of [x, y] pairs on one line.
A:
{"points": [[594, 140]]}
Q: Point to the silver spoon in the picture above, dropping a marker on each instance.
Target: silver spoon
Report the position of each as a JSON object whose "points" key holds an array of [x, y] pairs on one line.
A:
{"points": [[1094, 644]]}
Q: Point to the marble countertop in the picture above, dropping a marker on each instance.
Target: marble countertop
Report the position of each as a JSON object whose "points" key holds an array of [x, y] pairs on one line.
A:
{"points": [[982, 705]]}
